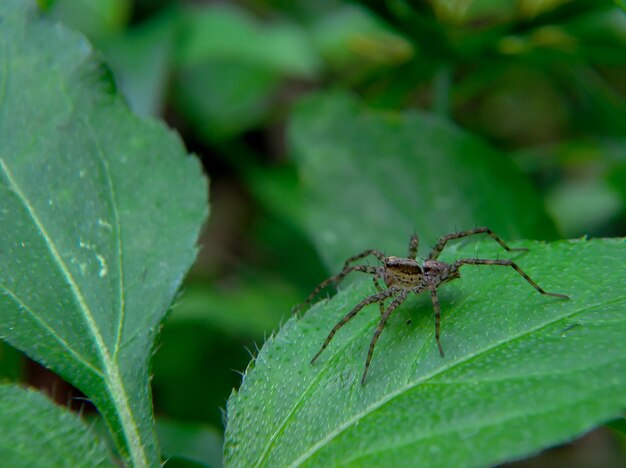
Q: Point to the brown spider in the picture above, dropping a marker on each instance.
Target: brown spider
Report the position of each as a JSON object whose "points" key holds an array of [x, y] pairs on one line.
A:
{"points": [[405, 275]]}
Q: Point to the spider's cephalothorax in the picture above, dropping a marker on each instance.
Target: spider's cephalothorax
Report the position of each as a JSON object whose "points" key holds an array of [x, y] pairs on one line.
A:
{"points": [[403, 276]]}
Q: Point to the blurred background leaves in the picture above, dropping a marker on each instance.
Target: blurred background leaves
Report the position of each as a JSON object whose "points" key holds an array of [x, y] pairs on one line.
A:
{"points": [[513, 111]]}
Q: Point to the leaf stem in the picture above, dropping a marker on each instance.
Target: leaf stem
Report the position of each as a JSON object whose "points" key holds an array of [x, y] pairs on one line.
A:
{"points": [[441, 90]]}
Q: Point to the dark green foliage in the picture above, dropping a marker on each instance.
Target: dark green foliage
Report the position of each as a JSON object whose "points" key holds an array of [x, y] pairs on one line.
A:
{"points": [[521, 370], [27, 418], [88, 268], [326, 127], [402, 173]]}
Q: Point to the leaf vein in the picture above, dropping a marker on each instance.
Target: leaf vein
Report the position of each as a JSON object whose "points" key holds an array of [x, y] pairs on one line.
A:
{"points": [[490, 422], [118, 239], [50, 330], [281, 427], [316, 380], [114, 380], [391, 396]]}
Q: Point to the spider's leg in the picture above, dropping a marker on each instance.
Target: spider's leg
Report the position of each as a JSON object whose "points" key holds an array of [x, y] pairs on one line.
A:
{"points": [[414, 243], [434, 253], [376, 253], [379, 288], [437, 309], [369, 300], [395, 303], [335, 280], [478, 261]]}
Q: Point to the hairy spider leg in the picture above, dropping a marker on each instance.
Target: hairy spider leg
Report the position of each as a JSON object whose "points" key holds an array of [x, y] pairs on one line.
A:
{"points": [[437, 309], [336, 279], [434, 253], [341, 275], [394, 304], [478, 261], [376, 253], [414, 243], [367, 301], [379, 288]]}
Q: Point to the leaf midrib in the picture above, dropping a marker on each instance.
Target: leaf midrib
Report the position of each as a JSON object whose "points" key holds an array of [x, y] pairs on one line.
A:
{"points": [[489, 422], [113, 378], [317, 379], [392, 395]]}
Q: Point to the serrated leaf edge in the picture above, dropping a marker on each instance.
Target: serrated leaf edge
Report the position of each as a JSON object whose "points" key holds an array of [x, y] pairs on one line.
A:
{"points": [[112, 377], [392, 395]]}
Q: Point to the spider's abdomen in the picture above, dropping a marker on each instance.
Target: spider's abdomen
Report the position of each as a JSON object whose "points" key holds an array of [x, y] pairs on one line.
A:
{"points": [[403, 272]]}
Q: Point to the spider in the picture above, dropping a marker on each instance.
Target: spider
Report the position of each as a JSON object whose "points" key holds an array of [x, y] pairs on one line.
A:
{"points": [[403, 276]]}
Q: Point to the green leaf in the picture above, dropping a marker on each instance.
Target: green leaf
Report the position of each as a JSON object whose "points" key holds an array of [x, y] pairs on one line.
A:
{"points": [[356, 42], [619, 425], [230, 66], [194, 442], [583, 207], [230, 32], [371, 178], [11, 362], [35, 432], [224, 97], [141, 59], [100, 212], [521, 372], [94, 18], [254, 307]]}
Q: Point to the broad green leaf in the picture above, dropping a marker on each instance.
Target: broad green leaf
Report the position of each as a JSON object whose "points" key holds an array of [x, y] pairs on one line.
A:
{"points": [[197, 361], [276, 190], [372, 178], [223, 97], [354, 42], [100, 213], [518, 104], [583, 207], [228, 32], [194, 442], [230, 66], [588, 201], [254, 306], [94, 18], [35, 432], [521, 371], [11, 362], [141, 58], [279, 230], [619, 425]]}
